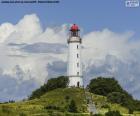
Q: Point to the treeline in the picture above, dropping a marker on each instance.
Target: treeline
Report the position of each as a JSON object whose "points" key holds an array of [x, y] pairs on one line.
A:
{"points": [[54, 83], [110, 88]]}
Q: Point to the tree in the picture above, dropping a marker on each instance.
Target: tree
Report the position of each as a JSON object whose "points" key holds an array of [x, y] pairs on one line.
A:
{"points": [[123, 99], [131, 110], [110, 87], [104, 86], [72, 107], [137, 104], [117, 97], [60, 82], [54, 83]]}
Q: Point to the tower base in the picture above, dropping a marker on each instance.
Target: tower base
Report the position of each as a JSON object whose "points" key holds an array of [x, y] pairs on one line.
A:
{"points": [[75, 81]]}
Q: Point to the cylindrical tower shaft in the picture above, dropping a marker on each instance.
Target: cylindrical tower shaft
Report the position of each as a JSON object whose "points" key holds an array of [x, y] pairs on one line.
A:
{"points": [[74, 70]]}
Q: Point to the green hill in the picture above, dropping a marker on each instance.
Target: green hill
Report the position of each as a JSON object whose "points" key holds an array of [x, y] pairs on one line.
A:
{"points": [[56, 103], [54, 98]]}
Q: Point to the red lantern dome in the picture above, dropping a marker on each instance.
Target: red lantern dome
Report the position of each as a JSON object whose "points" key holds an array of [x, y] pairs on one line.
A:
{"points": [[74, 27]]}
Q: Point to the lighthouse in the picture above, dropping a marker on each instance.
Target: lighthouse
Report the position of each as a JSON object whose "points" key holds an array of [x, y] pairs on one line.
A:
{"points": [[74, 67]]}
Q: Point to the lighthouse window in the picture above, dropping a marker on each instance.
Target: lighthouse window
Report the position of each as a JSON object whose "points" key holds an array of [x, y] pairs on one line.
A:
{"points": [[77, 64], [77, 73], [77, 55], [77, 46]]}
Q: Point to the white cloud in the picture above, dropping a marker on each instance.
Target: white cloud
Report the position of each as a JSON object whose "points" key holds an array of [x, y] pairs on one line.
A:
{"points": [[27, 61], [26, 30], [5, 30], [54, 35], [22, 66], [100, 43], [113, 54]]}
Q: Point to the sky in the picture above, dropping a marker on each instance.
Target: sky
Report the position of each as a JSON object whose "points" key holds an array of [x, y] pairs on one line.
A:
{"points": [[33, 44], [89, 14]]}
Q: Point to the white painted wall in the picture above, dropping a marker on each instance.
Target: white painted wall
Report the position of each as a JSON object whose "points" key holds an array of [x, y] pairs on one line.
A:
{"points": [[73, 69]]}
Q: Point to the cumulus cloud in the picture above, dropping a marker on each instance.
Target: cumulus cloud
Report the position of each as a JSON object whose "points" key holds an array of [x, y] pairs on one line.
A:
{"points": [[5, 30], [26, 30], [31, 55], [113, 55], [26, 50]]}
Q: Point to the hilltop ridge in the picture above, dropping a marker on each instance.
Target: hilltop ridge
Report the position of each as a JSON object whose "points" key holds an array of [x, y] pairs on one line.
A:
{"points": [[56, 103], [55, 98]]}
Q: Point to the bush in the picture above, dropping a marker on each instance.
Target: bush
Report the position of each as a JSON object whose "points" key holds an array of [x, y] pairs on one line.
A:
{"points": [[113, 113], [137, 105], [54, 83], [52, 107], [97, 115], [104, 86], [131, 110], [105, 106], [72, 107], [116, 97], [22, 114], [109, 87], [67, 98]]}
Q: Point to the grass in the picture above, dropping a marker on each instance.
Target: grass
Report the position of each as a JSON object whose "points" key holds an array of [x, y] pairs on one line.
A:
{"points": [[103, 105], [55, 103]]}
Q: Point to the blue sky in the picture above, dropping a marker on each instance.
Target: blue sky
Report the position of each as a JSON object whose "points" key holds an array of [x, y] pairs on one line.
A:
{"points": [[89, 14], [108, 27]]}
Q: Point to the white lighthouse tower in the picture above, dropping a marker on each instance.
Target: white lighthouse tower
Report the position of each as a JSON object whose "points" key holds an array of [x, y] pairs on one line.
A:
{"points": [[74, 69]]}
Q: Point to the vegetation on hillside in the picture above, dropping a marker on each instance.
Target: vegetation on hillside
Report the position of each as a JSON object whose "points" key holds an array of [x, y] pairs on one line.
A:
{"points": [[72, 107], [55, 99], [58, 102], [110, 88], [113, 113], [104, 86], [54, 83]]}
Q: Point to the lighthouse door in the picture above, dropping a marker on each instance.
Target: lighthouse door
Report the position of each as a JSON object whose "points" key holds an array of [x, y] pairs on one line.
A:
{"points": [[78, 84]]}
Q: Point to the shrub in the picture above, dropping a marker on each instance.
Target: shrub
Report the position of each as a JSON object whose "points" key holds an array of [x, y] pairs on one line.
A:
{"points": [[137, 104], [131, 111], [113, 113], [67, 98], [54, 83], [105, 106], [104, 86], [116, 97], [52, 107], [110, 87], [22, 114], [97, 115], [72, 107]]}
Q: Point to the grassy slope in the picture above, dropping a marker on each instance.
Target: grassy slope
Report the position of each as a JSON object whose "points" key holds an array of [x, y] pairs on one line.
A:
{"points": [[58, 99], [104, 106]]}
